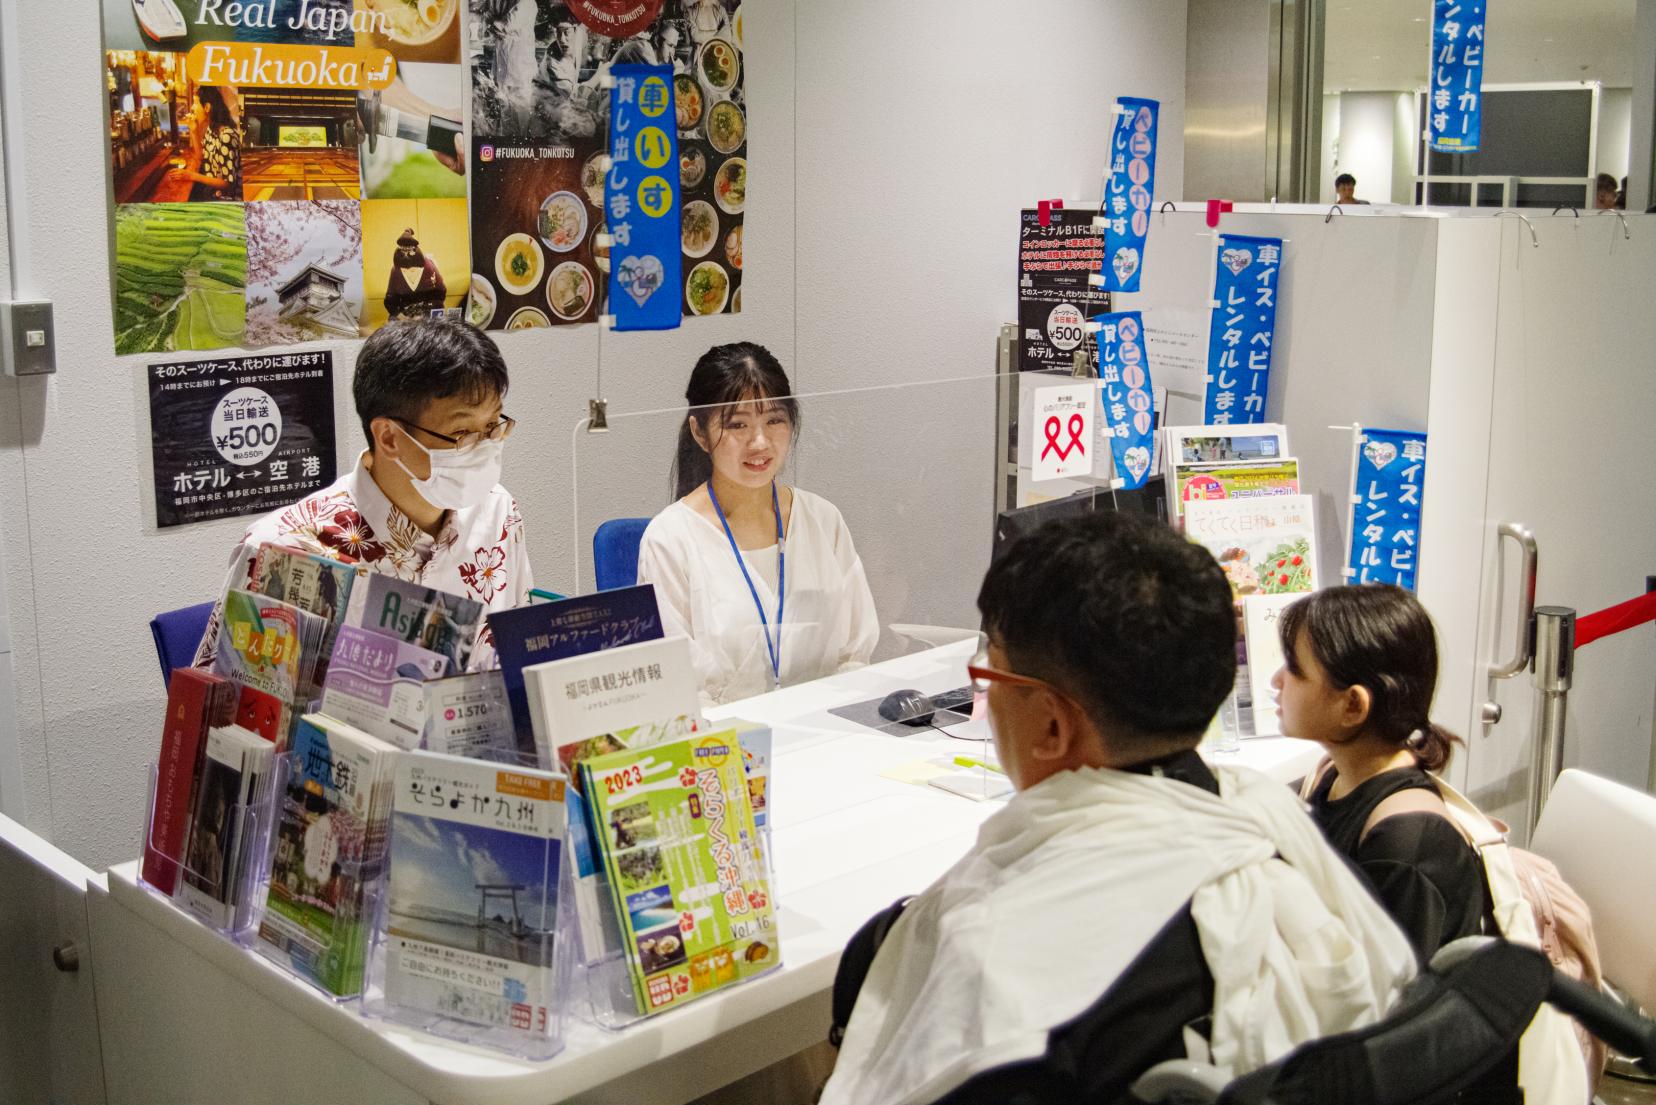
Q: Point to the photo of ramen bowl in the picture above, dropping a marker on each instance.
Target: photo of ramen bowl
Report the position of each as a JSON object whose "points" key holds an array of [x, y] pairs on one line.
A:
{"points": [[569, 290], [687, 102], [412, 22], [519, 263], [726, 127], [699, 228], [730, 186], [718, 63], [707, 289], [733, 248], [592, 180], [528, 318], [481, 303], [692, 166], [562, 221]]}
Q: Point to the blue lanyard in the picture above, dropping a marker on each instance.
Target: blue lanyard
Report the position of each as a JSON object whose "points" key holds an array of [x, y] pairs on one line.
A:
{"points": [[773, 648]]}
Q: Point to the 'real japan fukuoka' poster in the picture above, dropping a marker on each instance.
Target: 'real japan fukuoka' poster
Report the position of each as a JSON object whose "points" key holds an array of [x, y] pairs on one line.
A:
{"points": [[540, 107], [283, 170]]}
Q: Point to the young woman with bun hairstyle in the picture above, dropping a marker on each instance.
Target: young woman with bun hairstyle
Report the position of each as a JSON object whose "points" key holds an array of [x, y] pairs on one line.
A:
{"points": [[762, 577], [1360, 671]]}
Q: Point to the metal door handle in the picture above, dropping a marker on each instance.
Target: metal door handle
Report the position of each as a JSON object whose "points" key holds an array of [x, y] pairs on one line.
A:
{"points": [[1526, 600]]}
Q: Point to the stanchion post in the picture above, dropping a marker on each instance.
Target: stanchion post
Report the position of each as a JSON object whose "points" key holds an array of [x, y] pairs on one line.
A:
{"points": [[1551, 672]]}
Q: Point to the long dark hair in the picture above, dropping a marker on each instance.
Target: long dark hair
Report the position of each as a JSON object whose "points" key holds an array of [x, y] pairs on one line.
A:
{"points": [[218, 112], [1376, 636], [741, 372]]}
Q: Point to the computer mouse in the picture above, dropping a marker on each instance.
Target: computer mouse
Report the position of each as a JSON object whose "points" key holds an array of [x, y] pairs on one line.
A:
{"points": [[908, 706]]}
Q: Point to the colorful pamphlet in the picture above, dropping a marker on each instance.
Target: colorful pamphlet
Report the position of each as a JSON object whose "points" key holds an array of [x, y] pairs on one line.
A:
{"points": [[687, 874], [225, 829], [1226, 444], [196, 702], [473, 884], [314, 583], [329, 853], [266, 715], [1260, 614], [528, 635], [1239, 480], [423, 616], [1267, 545], [468, 715], [756, 739], [268, 645], [377, 683]]}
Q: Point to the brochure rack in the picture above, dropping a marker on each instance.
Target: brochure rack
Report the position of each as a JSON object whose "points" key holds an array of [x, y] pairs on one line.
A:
{"points": [[238, 888], [328, 943], [604, 993], [512, 993]]}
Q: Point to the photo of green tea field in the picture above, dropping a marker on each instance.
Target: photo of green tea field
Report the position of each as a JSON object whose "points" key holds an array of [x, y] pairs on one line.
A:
{"points": [[180, 276]]}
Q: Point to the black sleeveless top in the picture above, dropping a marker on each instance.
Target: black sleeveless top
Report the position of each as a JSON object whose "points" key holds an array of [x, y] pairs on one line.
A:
{"points": [[1423, 871]]}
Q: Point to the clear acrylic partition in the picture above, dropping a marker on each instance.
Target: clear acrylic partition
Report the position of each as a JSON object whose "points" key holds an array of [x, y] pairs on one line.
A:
{"points": [[924, 475]]}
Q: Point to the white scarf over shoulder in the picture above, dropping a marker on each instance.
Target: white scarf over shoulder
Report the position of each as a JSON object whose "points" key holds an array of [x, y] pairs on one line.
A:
{"points": [[1074, 878]]}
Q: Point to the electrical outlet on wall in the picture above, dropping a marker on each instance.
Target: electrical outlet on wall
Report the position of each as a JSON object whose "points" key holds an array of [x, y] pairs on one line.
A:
{"points": [[28, 343]]}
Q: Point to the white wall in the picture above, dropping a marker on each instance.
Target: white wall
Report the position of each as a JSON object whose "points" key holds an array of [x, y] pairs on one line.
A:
{"points": [[1368, 148], [923, 127]]}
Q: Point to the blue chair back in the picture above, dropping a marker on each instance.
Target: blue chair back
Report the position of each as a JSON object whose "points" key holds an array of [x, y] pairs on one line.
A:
{"points": [[615, 552], [177, 633]]}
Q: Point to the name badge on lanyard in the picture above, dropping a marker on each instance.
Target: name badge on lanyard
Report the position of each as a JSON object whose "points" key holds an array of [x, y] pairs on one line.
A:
{"points": [[772, 648]]}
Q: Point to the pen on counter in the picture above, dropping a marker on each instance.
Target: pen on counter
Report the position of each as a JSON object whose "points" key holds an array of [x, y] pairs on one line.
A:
{"points": [[967, 761]]}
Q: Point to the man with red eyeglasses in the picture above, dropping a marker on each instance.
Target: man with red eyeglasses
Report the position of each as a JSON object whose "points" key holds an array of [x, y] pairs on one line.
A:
{"points": [[1130, 903], [424, 502]]}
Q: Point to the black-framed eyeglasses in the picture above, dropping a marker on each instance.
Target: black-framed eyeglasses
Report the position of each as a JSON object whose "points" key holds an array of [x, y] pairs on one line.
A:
{"points": [[471, 439]]}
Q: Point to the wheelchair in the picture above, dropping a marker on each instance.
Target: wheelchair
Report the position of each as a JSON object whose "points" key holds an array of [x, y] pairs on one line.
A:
{"points": [[1458, 1019]]}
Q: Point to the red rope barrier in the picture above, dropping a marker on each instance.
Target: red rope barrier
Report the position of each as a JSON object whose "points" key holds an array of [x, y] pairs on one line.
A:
{"points": [[1615, 619]]}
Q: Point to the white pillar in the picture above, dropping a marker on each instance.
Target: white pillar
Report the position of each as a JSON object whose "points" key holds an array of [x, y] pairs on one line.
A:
{"points": [[1644, 107]]}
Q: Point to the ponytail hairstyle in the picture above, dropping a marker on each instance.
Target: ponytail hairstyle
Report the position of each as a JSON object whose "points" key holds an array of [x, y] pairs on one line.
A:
{"points": [[725, 376], [1378, 637]]}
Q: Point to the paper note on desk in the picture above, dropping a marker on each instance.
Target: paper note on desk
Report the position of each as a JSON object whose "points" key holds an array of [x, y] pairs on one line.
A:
{"points": [[920, 772], [980, 785]]}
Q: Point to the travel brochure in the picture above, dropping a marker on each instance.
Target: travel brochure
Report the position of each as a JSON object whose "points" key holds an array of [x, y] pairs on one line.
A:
{"points": [[1266, 544], [687, 873], [403, 809], [476, 850]]}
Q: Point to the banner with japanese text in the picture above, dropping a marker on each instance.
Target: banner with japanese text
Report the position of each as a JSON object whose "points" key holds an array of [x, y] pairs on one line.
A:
{"points": [[283, 171], [240, 435], [1128, 194], [542, 90], [1385, 495], [1456, 113], [1055, 298], [1242, 330], [1124, 386], [641, 200]]}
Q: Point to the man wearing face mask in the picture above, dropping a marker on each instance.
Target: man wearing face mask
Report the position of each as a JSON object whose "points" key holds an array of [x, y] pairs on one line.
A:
{"points": [[424, 502]]}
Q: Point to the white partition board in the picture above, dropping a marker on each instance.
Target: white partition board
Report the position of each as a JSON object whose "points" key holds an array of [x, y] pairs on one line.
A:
{"points": [[1353, 331]]}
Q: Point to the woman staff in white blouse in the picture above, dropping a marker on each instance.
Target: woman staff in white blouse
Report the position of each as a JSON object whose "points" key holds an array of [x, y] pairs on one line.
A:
{"points": [[762, 578]]}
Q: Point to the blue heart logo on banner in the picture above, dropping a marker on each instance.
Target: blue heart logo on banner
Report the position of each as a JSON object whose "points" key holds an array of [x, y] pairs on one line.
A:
{"points": [[640, 277], [1380, 453], [1126, 263], [1236, 260]]}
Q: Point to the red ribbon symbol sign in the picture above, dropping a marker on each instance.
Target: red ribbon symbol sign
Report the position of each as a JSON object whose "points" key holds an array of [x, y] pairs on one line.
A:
{"points": [[1076, 425]]}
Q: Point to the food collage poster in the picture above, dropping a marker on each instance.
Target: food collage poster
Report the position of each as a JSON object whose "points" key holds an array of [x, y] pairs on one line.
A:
{"points": [[540, 130], [283, 170]]}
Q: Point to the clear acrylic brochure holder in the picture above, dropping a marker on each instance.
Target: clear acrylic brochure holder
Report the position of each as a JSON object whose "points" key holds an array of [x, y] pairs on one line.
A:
{"points": [[227, 900], [499, 979], [316, 923]]}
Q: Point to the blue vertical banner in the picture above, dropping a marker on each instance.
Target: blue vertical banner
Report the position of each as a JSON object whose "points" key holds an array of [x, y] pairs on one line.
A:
{"points": [[1456, 113], [641, 199], [1385, 497], [1243, 329], [1132, 183], [1124, 391]]}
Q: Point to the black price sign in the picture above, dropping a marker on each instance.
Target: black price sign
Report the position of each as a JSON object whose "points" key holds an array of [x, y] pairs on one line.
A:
{"points": [[240, 435]]}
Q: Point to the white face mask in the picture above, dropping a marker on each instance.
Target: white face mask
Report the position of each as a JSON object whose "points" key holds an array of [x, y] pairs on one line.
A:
{"points": [[458, 481]]}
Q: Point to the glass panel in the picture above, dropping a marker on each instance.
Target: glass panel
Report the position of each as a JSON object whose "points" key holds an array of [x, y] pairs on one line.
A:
{"points": [[923, 528]]}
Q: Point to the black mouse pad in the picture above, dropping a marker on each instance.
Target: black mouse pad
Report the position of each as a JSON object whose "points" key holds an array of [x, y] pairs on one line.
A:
{"points": [[868, 713]]}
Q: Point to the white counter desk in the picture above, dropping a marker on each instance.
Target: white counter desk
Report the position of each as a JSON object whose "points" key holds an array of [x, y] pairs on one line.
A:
{"points": [[188, 1017]]}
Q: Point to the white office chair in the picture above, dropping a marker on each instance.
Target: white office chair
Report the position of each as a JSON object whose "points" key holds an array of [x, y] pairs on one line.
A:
{"points": [[1602, 836]]}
